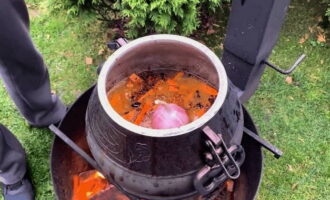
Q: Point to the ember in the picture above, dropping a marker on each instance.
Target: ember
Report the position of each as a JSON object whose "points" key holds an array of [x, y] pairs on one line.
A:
{"points": [[87, 184], [92, 185], [135, 98]]}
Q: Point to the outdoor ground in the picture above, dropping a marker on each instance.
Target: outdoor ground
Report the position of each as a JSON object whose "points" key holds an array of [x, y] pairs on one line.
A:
{"points": [[295, 116]]}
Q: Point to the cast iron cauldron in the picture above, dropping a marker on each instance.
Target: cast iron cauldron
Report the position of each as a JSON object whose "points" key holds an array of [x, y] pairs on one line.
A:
{"points": [[159, 164], [65, 162]]}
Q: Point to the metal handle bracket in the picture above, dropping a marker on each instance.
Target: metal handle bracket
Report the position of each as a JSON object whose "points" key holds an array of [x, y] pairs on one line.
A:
{"points": [[222, 163], [277, 152], [282, 71]]}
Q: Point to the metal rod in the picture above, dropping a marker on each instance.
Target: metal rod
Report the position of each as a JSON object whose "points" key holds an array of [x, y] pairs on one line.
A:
{"points": [[277, 152], [75, 147], [293, 67], [85, 156]]}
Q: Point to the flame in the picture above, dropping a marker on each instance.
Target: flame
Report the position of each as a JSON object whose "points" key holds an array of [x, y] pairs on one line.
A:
{"points": [[88, 184], [98, 174]]}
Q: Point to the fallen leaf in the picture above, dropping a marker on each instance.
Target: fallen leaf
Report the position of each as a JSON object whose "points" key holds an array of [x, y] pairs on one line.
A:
{"points": [[320, 29], [289, 80], [33, 13], [294, 186], [322, 62], [321, 38], [311, 29], [290, 168], [210, 31], [68, 54], [101, 51], [313, 187], [88, 60], [292, 6], [301, 140], [304, 38], [115, 30], [296, 83]]}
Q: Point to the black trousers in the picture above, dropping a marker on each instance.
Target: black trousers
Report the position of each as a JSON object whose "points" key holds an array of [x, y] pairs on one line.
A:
{"points": [[12, 158], [27, 81]]}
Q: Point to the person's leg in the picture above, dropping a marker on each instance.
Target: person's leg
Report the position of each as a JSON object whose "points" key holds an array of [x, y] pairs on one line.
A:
{"points": [[13, 168], [12, 158], [22, 68]]}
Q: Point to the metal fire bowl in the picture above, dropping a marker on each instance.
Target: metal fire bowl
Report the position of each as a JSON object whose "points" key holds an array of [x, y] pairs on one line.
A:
{"points": [[65, 162]]}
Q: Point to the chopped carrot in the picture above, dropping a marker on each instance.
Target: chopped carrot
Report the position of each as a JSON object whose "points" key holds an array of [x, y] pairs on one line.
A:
{"points": [[158, 83], [147, 94], [171, 82], [200, 112], [130, 115], [135, 78], [145, 108], [178, 76], [173, 88], [208, 89], [129, 84]]}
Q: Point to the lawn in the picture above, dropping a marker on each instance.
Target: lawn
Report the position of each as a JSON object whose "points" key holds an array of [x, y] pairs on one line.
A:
{"points": [[293, 116]]}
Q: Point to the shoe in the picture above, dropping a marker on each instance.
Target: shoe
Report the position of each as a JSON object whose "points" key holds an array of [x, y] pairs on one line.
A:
{"points": [[21, 190], [46, 126]]}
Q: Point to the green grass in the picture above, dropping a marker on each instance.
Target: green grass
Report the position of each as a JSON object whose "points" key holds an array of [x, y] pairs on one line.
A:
{"points": [[64, 43], [294, 117]]}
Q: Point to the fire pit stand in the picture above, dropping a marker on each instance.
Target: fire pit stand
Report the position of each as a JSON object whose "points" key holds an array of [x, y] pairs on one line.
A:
{"points": [[65, 162], [252, 33]]}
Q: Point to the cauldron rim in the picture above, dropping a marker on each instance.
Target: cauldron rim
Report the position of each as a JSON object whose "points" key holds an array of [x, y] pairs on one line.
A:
{"points": [[190, 127]]}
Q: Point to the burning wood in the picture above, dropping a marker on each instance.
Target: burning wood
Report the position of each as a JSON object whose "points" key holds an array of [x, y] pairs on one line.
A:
{"points": [[87, 184], [92, 185], [110, 193]]}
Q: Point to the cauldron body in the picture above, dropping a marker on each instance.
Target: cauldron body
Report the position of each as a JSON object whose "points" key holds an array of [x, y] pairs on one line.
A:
{"points": [[65, 162], [159, 164]]}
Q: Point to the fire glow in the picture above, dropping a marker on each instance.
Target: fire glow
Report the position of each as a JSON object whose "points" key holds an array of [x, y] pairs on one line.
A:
{"points": [[88, 184], [92, 185]]}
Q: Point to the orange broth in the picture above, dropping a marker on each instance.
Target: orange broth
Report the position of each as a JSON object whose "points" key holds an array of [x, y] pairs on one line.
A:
{"points": [[134, 98]]}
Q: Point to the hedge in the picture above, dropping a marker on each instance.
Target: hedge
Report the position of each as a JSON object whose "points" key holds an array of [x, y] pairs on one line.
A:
{"points": [[146, 16]]}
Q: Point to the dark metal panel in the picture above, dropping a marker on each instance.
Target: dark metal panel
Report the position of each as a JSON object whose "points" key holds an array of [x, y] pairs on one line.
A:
{"points": [[252, 32]]}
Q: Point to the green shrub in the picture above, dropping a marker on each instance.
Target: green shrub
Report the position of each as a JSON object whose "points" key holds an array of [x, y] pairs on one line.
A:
{"points": [[327, 13], [106, 9], [146, 16], [161, 16]]}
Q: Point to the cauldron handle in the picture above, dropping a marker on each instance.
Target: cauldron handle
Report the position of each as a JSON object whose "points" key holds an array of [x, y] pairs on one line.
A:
{"points": [[218, 170], [74, 146]]}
